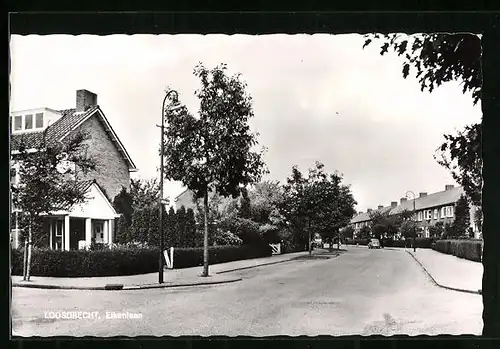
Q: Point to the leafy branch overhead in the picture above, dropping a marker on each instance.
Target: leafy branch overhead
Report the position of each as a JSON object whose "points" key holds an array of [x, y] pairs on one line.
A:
{"points": [[440, 58], [437, 58]]}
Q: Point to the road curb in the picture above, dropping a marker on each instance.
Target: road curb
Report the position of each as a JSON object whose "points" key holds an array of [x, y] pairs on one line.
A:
{"points": [[120, 287], [479, 292], [254, 266], [265, 264]]}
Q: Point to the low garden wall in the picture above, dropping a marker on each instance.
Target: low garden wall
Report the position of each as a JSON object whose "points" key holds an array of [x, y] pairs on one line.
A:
{"points": [[124, 261], [467, 249]]}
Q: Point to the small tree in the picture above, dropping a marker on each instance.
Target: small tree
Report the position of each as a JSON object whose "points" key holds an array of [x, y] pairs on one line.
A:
{"points": [[436, 230], [213, 153], [49, 180], [348, 232], [365, 232]]}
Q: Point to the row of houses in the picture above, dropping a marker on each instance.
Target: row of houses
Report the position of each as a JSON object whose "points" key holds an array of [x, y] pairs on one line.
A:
{"points": [[429, 209], [76, 226]]}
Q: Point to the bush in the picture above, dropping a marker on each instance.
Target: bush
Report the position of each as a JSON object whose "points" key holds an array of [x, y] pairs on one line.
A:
{"points": [[82, 263], [467, 249], [192, 257], [362, 242]]}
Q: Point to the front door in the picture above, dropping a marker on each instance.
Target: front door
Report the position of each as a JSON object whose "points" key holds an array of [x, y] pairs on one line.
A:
{"points": [[99, 232]]}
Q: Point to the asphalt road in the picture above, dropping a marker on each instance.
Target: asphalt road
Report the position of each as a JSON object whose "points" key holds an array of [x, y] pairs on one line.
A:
{"points": [[361, 292]]}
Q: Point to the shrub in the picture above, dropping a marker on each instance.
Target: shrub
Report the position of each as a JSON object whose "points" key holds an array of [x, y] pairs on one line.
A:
{"points": [[467, 249], [81, 263], [192, 257], [248, 231], [362, 242]]}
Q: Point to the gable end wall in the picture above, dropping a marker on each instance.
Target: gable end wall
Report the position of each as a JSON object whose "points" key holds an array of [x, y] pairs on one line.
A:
{"points": [[112, 170]]}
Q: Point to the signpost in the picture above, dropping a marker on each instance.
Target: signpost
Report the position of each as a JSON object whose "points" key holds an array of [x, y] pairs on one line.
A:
{"points": [[169, 259]]}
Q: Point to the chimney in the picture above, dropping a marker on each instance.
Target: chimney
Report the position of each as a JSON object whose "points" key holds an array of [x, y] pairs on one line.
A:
{"points": [[394, 204], [448, 186], [380, 207], [402, 200], [84, 100], [421, 195], [369, 210]]}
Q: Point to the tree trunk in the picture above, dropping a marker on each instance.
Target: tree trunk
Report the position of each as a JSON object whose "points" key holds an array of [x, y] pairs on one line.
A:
{"points": [[309, 234], [205, 234], [28, 264], [25, 260]]}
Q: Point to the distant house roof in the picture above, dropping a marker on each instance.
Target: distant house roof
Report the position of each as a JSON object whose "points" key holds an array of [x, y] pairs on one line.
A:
{"points": [[441, 198], [60, 129], [365, 216]]}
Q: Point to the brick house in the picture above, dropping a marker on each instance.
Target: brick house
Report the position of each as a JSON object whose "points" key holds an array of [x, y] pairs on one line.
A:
{"points": [[429, 209], [76, 227]]}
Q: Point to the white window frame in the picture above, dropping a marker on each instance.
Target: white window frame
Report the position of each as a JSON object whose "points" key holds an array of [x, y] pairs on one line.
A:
{"points": [[23, 122], [435, 213], [443, 212], [14, 123], [36, 118], [419, 216], [25, 117], [449, 211]]}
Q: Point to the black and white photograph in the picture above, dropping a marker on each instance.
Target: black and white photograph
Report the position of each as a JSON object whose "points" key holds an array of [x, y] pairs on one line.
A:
{"points": [[246, 185]]}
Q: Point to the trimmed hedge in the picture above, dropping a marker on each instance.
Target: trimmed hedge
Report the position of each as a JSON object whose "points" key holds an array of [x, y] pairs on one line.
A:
{"points": [[81, 263], [467, 249], [125, 261], [362, 242], [420, 242], [192, 257]]}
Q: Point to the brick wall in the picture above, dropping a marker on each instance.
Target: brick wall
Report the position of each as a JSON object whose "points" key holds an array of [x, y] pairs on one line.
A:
{"points": [[112, 170]]}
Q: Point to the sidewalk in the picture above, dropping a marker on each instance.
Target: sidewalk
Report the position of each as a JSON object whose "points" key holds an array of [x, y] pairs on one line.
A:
{"points": [[172, 278], [449, 271]]}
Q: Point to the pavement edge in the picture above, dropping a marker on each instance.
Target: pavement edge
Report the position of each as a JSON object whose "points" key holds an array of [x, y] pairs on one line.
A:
{"points": [[438, 284], [120, 287]]}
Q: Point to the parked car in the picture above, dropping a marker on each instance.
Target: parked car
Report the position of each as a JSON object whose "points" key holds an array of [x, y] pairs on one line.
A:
{"points": [[374, 243]]}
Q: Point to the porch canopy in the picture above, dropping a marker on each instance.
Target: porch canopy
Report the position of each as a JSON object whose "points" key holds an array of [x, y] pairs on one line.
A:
{"points": [[78, 226]]}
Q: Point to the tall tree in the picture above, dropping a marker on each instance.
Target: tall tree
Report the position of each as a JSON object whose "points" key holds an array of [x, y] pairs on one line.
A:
{"points": [[215, 151], [123, 204], [440, 58], [319, 203], [49, 181], [144, 193], [461, 223]]}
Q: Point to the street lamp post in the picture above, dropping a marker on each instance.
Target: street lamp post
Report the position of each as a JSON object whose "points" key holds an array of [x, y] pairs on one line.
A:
{"points": [[414, 220], [174, 106]]}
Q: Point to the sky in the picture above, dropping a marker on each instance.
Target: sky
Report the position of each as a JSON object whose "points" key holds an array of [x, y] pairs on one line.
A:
{"points": [[315, 98]]}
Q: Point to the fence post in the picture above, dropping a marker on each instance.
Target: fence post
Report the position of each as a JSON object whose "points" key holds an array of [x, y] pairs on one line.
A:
{"points": [[172, 257]]}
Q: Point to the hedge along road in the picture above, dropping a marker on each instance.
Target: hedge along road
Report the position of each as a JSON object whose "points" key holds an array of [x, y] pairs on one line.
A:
{"points": [[361, 292]]}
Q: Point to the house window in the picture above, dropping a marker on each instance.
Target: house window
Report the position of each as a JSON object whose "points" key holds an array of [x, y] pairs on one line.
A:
{"points": [[435, 213], [443, 212], [39, 120], [18, 123], [449, 211], [419, 216], [28, 122]]}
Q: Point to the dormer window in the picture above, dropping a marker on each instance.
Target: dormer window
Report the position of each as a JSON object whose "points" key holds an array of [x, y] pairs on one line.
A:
{"points": [[39, 120], [18, 123], [28, 122]]}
